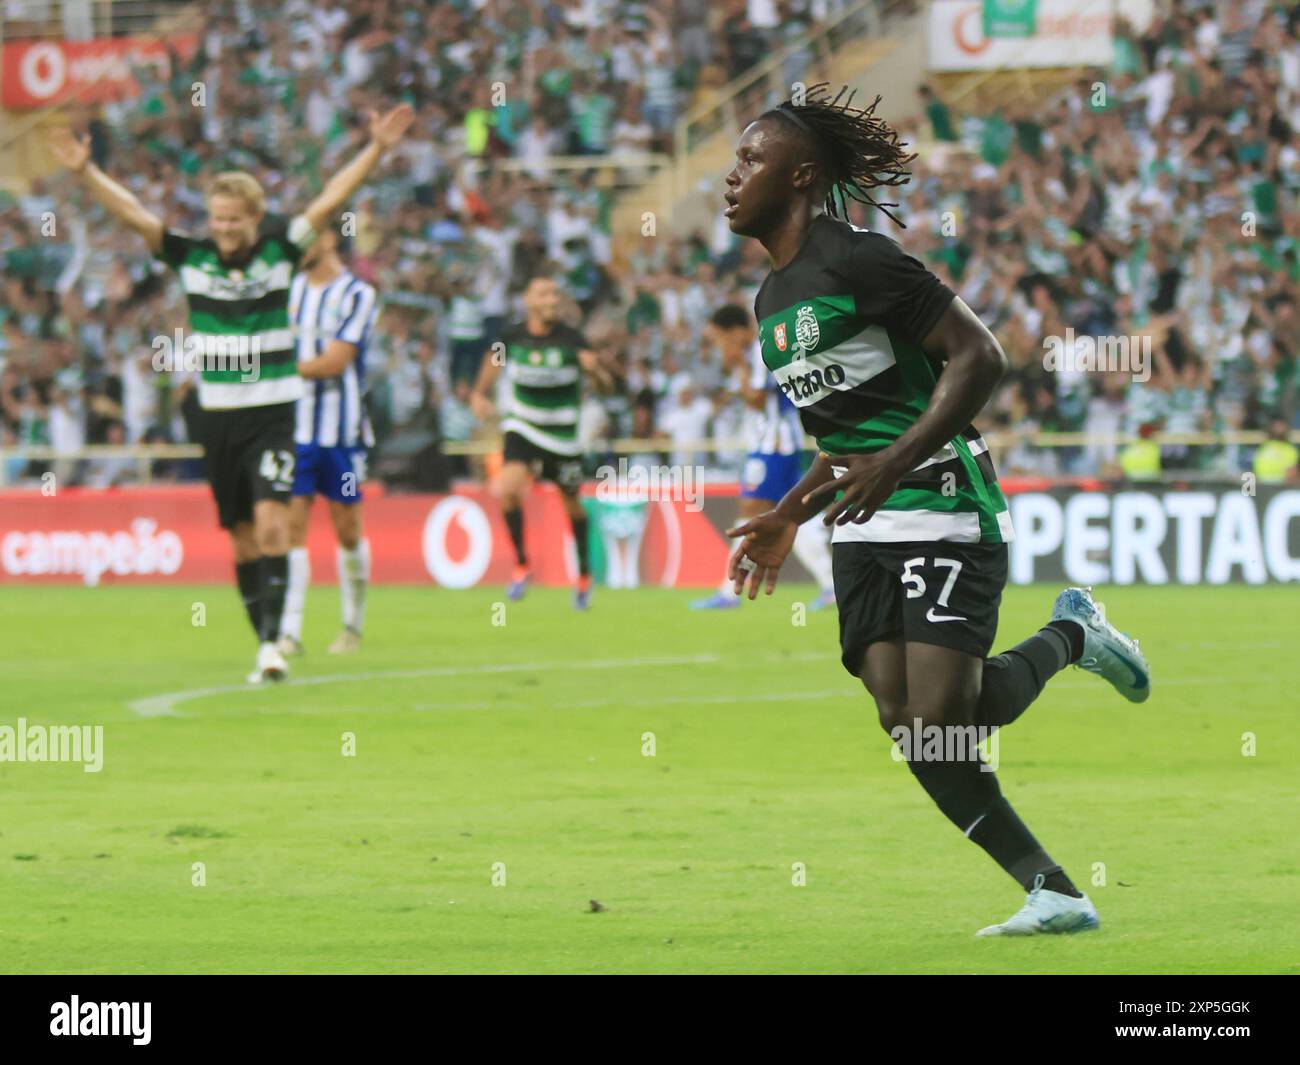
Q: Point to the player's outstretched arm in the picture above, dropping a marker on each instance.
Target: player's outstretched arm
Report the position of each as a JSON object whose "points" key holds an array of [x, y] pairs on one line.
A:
{"points": [[767, 539], [74, 153], [385, 132], [974, 364]]}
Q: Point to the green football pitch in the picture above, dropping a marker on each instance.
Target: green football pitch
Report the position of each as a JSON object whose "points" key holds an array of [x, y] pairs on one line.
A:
{"points": [[642, 788]]}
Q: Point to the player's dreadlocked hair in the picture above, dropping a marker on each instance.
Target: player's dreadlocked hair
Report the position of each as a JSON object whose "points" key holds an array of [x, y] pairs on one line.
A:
{"points": [[855, 151]]}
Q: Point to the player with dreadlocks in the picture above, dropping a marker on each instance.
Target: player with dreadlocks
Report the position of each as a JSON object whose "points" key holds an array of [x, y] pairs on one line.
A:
{"points": [[888, 367]]}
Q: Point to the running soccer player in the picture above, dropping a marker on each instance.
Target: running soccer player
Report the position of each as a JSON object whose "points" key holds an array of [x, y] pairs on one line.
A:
{"points": [[544, 360], [773, 465], [237, 284], [333, 313], [888, 367]]}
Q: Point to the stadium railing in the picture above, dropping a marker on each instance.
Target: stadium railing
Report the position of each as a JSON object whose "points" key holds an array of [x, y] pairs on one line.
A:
{"points": [[82, 20], [766, 81]]}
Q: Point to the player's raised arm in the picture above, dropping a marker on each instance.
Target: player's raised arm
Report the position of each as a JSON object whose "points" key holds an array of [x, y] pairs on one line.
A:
{"points": [[74, 153], [385, 132]]}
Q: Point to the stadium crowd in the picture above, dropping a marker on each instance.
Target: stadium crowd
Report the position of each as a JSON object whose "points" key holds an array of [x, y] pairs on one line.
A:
{"points": [[1155, 200]]}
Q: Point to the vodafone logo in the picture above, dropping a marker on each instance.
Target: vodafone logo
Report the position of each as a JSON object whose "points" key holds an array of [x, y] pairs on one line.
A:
{"points": [[968, 30], [42, 70], [457, 542]]}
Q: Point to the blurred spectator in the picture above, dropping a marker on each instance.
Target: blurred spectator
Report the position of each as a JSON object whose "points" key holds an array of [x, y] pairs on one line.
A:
{"points": [[1165, 215]]}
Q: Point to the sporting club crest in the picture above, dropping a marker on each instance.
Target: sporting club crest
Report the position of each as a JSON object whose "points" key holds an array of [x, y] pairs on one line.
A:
{"points": [[806, 329]]}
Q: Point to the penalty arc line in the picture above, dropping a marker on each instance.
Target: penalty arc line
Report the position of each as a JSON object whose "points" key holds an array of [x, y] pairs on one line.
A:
{"points": [[164, 705]]}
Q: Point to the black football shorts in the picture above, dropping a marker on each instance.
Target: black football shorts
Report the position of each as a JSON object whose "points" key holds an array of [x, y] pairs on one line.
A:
{"points": [[565, 471], [935, 591], [248, 456]]}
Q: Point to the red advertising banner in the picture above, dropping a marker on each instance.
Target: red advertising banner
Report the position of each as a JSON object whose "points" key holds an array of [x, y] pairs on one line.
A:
{"points": [[40, 73], [457, 540], [1083, 532]]}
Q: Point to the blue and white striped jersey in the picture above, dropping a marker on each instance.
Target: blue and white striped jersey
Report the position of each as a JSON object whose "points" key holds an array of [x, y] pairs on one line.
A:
{"points": [[776, 429], [331, 412]]}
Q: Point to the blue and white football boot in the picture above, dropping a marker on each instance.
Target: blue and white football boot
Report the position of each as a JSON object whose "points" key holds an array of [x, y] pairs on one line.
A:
{"points": [[1047, 912], [1111, 654]]}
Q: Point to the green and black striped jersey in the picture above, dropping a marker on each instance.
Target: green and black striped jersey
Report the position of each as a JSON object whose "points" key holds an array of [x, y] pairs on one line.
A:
{"points": [[841, 327], [242, 308], [544, 379]]}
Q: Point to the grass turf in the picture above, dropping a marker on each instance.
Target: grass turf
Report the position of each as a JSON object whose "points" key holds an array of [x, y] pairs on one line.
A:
{"points": [[522, 744]]}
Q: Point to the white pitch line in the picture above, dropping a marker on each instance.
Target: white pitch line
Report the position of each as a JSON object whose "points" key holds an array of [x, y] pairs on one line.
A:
{"points": [[165, 705]]}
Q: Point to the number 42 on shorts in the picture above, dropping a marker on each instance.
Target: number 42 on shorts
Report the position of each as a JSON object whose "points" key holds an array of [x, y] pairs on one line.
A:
{"points": [[277, 467]]}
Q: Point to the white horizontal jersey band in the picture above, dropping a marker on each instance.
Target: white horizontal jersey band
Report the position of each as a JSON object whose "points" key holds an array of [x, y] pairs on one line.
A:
{"points": [[944, 454], [230, 395], [269, 340], [977, 446], [1005, 527], [542, 376], [566, 448], [199, 282], [544, 415], [861, 358], [899, 526]]}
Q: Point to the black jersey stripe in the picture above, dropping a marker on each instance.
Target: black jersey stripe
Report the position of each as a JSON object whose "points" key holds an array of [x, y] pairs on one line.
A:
{"points": [[272, 302]]}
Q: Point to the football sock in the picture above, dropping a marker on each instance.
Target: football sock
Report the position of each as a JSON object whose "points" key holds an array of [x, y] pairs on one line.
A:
{"points": [[970, 798], [275, 579], [580, 542], [354, 573], [248, 575], [515, 523], [1009, 842], [1073, 632], [813, 549], [962, 792], [295, 597], [1015, 678], [1056, 880]]}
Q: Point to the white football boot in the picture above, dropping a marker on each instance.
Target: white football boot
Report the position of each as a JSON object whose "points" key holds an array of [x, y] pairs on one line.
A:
{"points": [[271, 666], [1047, 912]]}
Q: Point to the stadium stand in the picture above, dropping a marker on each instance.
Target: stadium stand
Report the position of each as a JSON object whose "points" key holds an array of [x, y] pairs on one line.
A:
{"points": [[1160, 210]]}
